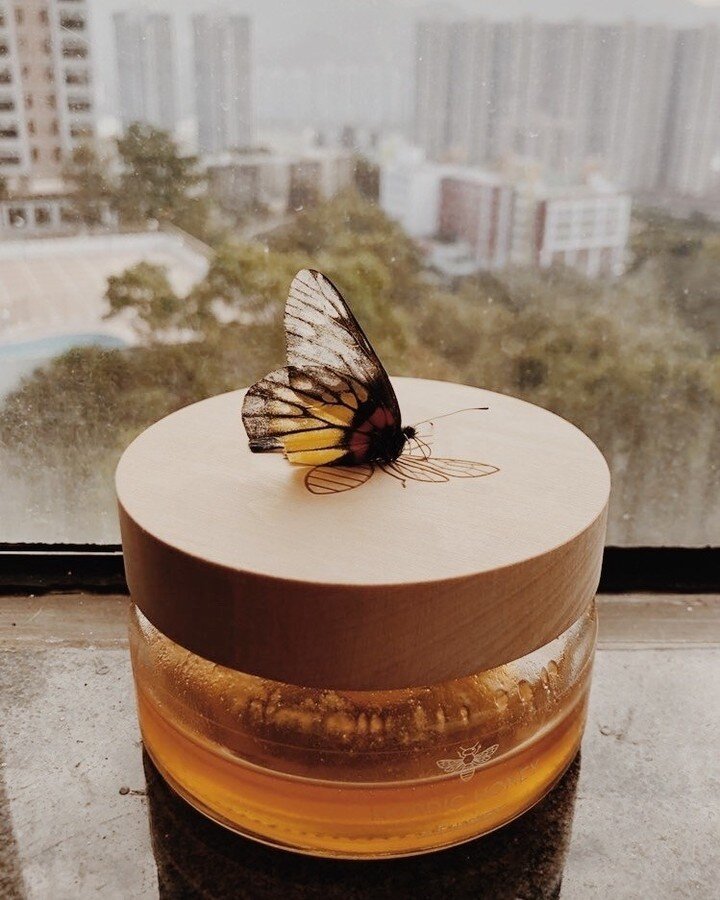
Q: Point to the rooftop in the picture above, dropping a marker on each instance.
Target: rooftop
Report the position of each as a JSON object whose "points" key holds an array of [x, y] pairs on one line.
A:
{"points": [[522, 174], [260, 158], [53, 286]]}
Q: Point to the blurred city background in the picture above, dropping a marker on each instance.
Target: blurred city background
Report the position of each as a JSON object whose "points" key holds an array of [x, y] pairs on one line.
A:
{"points": [[520, 196]]}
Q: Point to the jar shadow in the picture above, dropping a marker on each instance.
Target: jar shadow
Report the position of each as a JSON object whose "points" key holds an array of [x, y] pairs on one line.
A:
{"points": [[12, 885], [197, 858]]}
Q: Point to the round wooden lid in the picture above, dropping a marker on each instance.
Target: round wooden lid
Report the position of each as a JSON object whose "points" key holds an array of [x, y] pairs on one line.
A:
{"points": [[386, 585]]}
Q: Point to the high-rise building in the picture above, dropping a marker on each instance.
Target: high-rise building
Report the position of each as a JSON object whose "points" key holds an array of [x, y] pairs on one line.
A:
{"points": [[46, 101], [331, 96], [433, 52], [560, 94], [692, 165], [473, 99], [487, 89], [222, 82], [146, 69], [542, 109], [632, 68]]}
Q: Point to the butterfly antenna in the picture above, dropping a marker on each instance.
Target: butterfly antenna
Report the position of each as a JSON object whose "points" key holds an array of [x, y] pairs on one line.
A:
{"points": [[445, 415]]}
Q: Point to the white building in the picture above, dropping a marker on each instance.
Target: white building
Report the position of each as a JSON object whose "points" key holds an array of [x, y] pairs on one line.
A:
{"points": [[146, 71], [46, 100], [44, 214], [410, 192], [223, 82], [583, 227], [488, 219]]}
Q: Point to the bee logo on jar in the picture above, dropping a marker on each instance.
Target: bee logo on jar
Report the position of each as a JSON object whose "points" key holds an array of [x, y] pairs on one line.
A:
{"points": [[469, 759]]}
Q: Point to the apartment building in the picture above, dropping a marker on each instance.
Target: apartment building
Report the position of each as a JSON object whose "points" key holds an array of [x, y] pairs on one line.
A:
{"points": [[145, 50], [638, 100], [508, 216], [277, 182], [46, 97], [223, 82]]}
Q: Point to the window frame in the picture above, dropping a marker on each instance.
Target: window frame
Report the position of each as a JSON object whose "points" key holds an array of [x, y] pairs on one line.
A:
{"points": [[99, 569]]}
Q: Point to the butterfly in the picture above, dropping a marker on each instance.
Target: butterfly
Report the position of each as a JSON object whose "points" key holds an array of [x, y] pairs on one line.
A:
{"points": [[333, 405]]}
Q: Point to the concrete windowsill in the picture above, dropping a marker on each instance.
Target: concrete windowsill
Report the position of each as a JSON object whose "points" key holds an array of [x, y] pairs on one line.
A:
{"points": [[646, 807]]}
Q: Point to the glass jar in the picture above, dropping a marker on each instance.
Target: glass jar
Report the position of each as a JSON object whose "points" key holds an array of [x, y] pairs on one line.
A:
{"points": [[386, 669], [362, 773]]}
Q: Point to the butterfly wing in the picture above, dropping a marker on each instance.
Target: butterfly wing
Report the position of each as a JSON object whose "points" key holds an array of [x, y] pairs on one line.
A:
{"points": [[414, 468], [323, 407], [321, 331], [337, 479], [461, 468], [435, 469], [308, 414]]}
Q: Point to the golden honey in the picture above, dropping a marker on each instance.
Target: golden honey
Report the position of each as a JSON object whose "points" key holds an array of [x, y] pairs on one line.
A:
{"points": [[362, 774]]}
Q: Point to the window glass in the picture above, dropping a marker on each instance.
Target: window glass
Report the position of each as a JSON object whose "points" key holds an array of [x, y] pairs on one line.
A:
{"points": [[523, 196]]}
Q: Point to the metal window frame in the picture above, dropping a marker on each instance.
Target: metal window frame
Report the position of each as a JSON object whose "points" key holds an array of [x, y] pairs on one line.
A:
{"points": [[98, 568]]}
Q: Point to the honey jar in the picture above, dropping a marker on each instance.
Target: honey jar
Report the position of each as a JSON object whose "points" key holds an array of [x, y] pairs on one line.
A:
{"points": [[364, 662]]}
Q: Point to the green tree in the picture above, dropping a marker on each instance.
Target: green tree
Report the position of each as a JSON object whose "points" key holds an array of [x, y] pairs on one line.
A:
{"points": [[683, 258], [626, 359], [144, 290], [243, 280], [89, 187], [367, 178], [349, 224], [303, 193], [157, 181]]}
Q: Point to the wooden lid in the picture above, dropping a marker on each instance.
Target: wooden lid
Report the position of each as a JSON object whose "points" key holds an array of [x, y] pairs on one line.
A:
{"points": [[383, 586]]}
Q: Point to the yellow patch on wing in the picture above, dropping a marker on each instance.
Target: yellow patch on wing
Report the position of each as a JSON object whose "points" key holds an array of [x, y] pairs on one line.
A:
{"points": [[317, 439], [315, 457], [349, 398], [332, 413]]}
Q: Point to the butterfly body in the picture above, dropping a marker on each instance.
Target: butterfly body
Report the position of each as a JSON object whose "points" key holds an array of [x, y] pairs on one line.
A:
{"points": [[378, 438]]}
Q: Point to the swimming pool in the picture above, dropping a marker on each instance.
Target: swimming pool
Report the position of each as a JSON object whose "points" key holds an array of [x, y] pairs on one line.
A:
{"points": [[21, 358]]}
